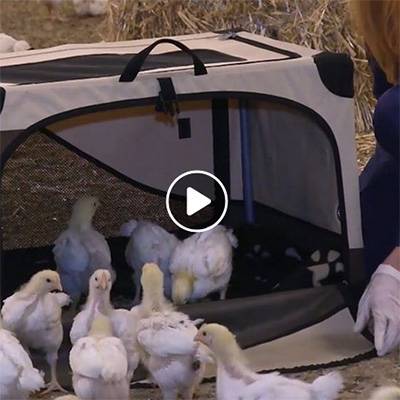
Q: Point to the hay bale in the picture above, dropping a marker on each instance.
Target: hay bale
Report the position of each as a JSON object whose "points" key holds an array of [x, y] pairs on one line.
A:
{"points": [[322, 24]]}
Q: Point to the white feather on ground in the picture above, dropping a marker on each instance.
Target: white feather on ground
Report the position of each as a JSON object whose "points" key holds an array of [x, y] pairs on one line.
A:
{"points": [[175, 362], [80, 250], [123, 321], [91, 8], [202, 264], [34, 314], [99, 364], [148, 243], [236, 380], [8, 44], [18, 377]]}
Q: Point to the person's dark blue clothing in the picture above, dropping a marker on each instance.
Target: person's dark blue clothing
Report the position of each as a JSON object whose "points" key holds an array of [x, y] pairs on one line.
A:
{"points": [[380, 180], [380, 82]]}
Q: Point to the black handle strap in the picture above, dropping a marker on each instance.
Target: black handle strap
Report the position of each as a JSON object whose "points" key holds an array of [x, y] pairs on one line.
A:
{"points": [[136, 63]]}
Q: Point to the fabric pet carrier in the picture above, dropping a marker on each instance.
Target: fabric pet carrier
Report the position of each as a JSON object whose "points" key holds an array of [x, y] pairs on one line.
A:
{"points": [[273, 121]]}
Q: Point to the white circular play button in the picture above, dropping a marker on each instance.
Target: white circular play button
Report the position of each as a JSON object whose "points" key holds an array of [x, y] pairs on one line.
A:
{"points": [[205, 198], [195, 201]]}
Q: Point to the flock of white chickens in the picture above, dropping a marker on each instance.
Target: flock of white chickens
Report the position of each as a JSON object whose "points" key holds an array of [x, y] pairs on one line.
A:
{"points": [[109, 344]]}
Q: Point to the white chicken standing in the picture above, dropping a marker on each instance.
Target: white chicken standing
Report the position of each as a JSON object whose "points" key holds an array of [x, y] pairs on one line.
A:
{"points": [[175, 362], [80, 250], [123, 321], [236, 381], [18, 378], [34, 314], [202, 264], [91, 8], [148, 243], [153, 301], [152, 281], [8, 44], [99, 364]]}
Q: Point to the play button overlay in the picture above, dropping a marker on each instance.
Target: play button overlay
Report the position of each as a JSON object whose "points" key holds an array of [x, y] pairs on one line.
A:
{"points": [[196, 201]]}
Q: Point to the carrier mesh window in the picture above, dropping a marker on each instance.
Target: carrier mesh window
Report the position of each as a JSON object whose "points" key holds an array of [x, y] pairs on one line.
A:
{"points": [[41, 182], [293, 165], [43, 178]]}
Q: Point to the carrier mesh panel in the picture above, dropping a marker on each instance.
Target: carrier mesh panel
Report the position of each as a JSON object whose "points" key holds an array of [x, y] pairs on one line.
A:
{"points": [[42, 180]]}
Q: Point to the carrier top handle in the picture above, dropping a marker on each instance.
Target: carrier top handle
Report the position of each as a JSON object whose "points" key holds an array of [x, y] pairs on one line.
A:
{"points": [[136, 63]]}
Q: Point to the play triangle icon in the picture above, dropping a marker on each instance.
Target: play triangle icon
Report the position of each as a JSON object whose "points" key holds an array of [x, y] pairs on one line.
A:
{"points": [[195, 201]]}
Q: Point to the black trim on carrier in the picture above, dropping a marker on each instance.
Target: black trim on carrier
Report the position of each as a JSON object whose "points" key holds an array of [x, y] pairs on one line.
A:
{"points": [[38, 126], [284, 52], [103, 65], [233, 34], [2, 98], [336, 72], [51, 135], [220, 130]]}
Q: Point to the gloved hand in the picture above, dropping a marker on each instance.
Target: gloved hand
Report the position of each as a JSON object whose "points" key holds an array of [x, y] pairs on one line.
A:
{"points": [[379, 307]]}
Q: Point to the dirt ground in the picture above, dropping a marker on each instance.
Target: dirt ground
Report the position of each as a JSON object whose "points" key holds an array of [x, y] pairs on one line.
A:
{"points": [[360, 379], [29, 20]]}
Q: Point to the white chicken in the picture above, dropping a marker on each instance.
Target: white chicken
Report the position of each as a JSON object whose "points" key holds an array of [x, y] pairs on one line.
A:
{"points": [[99, 364], [202, 264], [67, 397], [8, 44], [18, 378], [123, 321], [80, 250], [175, 362], [236, 381], [152, 281], [91, 8], [34, 314], [153, 301], [148, 243]]}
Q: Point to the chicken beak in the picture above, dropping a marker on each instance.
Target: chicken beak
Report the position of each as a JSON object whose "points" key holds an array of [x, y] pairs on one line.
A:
{"points": [[103, 282], [59, 287], [198, 338]]}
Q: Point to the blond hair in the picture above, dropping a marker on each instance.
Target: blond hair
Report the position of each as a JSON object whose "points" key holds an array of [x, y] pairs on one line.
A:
{"points": [[378, 21]]}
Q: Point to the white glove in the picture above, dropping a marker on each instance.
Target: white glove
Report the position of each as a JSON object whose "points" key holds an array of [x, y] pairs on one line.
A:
{"points": [[379, 307]]}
